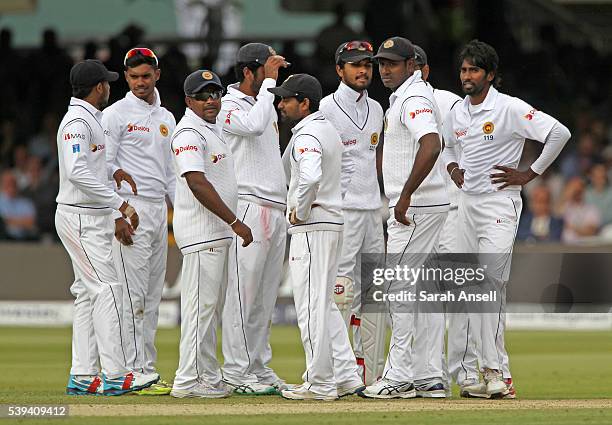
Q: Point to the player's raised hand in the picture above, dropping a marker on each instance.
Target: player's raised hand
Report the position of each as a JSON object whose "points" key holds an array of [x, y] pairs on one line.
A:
{"points": [[400, 210], [120, 176], [511, 177], [272, 66], [243, 231], [124, 232]]}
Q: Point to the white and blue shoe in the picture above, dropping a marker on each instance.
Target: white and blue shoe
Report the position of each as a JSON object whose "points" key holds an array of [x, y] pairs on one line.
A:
{"points": [[387, 388], [430, 388], [133, 381], [84, 385]]}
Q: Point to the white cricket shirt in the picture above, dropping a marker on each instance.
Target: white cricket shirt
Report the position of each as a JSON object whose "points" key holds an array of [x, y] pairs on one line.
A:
{"points": [[84, 187], [199, 146], [315, 157], [492, 133], [358, 119], [138, 141], [413, 113], [251, 130]]}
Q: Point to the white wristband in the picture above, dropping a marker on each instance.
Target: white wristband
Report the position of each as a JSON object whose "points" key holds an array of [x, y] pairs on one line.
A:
{"points": [[129, 211]]}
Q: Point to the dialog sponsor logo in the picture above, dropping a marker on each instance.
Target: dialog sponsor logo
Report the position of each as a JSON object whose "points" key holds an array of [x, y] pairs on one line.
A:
{"points": [[133, 127], [180, 149], [529, 115], [420, 111], [460, 133], [94, 148], [349, 142], [217, 157]]}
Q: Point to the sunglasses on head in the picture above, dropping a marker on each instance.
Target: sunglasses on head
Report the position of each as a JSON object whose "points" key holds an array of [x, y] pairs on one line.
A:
{"points": [[205, 95], [142, 51], [356, 45]]}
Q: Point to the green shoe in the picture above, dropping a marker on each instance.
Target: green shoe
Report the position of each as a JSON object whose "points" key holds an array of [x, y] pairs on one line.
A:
{"points": [[161, 388]]}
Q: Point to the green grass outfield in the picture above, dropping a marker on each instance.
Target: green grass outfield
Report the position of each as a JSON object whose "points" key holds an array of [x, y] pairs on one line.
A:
{"points": [[553, 372]]}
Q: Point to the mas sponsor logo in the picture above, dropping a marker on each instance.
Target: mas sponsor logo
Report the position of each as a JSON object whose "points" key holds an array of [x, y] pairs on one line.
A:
{"points": [[76, 148], [163, 130], [304, 150], [413, 114], [339, 289], [94, 148], [488, 127], [216, 157], [228, 117], [460, 133], [181, 149], [72, 136], [349, 142], [133, 127], [529, 115]]}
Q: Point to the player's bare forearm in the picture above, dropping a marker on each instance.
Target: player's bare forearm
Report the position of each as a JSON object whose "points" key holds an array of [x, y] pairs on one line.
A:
{"points": [[425, 159], [206, 194]]}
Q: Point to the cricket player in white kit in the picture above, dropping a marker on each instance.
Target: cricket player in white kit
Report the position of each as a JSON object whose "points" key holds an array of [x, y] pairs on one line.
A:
{"points": [[419, 204], [204, 223], [485, 135], [462, 365], [138, 131], [314, 209], [249, 124], [84, 224], [358, 119]]}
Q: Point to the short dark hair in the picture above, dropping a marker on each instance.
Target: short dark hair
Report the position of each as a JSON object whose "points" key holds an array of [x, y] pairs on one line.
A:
{"points": [[483, 56], [313, 105], [138, 60], [239, 69], [82, 92]]}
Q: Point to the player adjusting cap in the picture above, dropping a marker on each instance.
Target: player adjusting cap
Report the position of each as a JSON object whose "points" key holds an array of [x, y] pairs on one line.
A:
{"points": [[197, 80], [254, 52], [420, 57], [302, 85], [395, 49], [90, 72]]}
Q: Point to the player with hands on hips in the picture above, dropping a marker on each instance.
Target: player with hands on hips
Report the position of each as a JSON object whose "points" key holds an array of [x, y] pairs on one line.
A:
{"points": [[250, 128], [84, 224], [204, 223], [485, 135]]}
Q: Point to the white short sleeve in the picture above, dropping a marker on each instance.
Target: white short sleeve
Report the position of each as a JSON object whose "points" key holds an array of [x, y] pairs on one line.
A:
{"points": [[528, 122], [189, 150], [417, 114]]}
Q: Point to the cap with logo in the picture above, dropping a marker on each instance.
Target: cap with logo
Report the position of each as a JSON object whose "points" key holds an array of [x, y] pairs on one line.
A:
{"points": [[354, 51], [420, 57], [197, 80], [90, 72], [395, 49], [254, 52], [302, 85]]}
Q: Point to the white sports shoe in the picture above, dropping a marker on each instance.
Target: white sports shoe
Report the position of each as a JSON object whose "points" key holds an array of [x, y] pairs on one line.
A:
{"points": [[254, 388], [301, 393], [202, 390], [473, 389], [430, 388], [495, 383], [386, 388], [350, 388]]}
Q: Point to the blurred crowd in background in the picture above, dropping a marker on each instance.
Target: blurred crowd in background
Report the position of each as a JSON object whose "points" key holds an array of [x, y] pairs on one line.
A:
{"points": [[570, 203]]}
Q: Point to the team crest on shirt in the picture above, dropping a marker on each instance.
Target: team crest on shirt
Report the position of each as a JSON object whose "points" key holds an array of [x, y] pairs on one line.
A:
{"points": [[216, 157], [163, 130], [488, 127], [373, 141]]}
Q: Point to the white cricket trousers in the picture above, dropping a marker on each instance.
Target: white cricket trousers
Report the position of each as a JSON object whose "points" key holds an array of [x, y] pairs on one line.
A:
{"points": [[363, 234], [462, 363], [489, 223], [203, 285], [96, 329], [408, 360], [254, 276], [141, 268], [313, 263]]}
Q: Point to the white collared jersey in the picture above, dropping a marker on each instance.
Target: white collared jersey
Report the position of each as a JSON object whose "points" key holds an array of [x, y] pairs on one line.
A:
{"points": [[138, 142], [446, 100], [358, 119], [84, 186], [315, 156], [413, 113], [251, 130], [199, 146], [493, 133]]}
